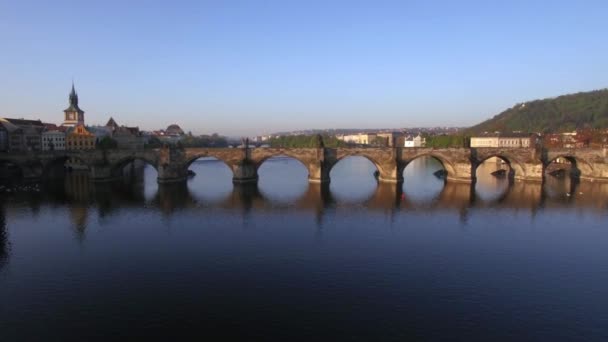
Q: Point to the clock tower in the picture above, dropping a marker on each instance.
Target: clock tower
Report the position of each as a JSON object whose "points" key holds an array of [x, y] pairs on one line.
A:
{"points": [[74, 116]]}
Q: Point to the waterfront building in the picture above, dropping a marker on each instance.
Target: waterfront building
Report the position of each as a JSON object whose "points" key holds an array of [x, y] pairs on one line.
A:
{"points": [[74, 116], [20, 135], [53, 140], [79, 138], [498, 140], [7, 131]]}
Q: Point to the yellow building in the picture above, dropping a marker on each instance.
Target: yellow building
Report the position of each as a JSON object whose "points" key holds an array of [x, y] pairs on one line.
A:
{"points": [[80, 139]]}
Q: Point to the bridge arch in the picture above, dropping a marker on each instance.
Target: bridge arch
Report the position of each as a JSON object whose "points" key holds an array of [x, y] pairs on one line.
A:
{"points": [[580, 168], [260, 162], [195, 157], [384, 169], [357, 170], [444, 161], [282, 178], [516, 170], [117, 166]]}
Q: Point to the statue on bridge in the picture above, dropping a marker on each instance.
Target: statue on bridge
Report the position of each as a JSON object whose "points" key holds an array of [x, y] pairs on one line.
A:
{"points": [[320, 143]]}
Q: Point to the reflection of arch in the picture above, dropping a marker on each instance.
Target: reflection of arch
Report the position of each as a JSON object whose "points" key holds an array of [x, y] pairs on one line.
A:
{"points": [[11, 169], [61, 161], [579, 166], [515, 168]]}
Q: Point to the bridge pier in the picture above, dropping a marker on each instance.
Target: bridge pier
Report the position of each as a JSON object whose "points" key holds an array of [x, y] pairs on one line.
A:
{"points": [[244, 172], [534, 171], [169, 173], [318, 173], [390, 177]]}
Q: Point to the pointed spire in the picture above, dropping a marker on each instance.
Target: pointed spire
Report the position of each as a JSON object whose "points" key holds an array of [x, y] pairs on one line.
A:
{"points": [[73, 95]]}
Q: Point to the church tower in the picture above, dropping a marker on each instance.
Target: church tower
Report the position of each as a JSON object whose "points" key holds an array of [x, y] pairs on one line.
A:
{"points": [[74, 116]]}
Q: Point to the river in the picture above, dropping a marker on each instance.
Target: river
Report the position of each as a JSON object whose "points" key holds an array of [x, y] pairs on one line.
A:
{"points": [[285, 260]]}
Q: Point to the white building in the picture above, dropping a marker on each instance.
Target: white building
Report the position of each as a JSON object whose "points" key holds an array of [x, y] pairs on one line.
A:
{"points": [[53, 140], [416, 141], [359, 139], [503, 141]]}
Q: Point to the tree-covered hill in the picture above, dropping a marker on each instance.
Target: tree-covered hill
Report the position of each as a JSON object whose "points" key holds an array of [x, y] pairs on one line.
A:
{"points": [[560, 114]]}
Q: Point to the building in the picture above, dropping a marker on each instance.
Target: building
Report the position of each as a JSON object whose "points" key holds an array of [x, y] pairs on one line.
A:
{"points": [[111, 125], [174, 131], [391, 139], [417, 141], [20, 135], [358, 139], [172, 134], [53, 140], [128, 138], [100, 132], [74, 116], [7, 131], [497, 140], [79, 138]]}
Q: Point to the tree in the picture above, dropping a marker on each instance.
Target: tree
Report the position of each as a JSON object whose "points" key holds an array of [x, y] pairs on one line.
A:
{"points": [[153, 142], [107, 143]]}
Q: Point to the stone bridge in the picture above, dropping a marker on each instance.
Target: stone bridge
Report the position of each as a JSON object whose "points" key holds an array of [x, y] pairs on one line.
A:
{"points": [[172, 164]]}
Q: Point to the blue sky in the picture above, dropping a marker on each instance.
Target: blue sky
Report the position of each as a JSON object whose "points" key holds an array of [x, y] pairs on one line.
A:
{"points": [[253, 67]]}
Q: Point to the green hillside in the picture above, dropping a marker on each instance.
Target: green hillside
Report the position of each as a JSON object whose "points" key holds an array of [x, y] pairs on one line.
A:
{"points": [[560, 114]]}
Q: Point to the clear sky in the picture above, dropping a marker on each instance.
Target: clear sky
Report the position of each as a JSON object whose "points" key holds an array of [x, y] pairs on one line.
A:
{"points": [[253, 67]]}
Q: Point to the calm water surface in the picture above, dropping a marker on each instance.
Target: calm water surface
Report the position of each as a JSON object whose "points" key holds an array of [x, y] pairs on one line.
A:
{"points": [[291, 261]]}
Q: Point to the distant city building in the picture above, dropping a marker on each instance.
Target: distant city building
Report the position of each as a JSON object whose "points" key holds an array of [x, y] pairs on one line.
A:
{"points": [[172, 134], [100, 132], [174, 131], [111, 125], [358, 139], [391, 139], [497, 140], [417, 141], [53, 140], [128, 138], [74, 116]]}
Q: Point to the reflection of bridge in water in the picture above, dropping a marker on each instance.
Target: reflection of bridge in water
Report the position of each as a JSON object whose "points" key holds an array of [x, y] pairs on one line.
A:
{"points": [[83, 199], [79, 194]]}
